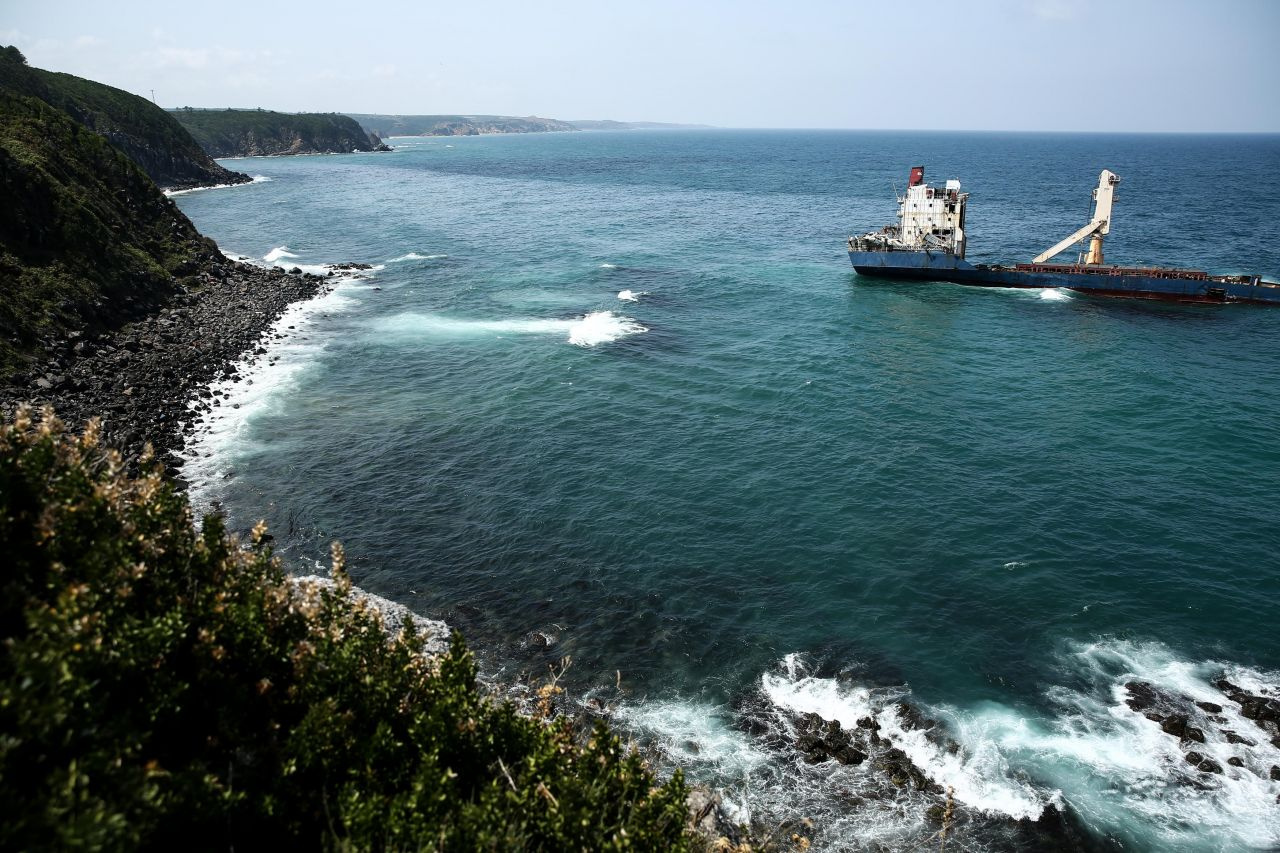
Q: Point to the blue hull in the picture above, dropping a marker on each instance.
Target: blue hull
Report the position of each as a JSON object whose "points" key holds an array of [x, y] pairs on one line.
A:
{"points": [[1169, 285]]}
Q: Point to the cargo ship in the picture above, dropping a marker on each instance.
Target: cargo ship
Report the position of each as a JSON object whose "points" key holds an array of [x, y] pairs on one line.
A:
{"points": [[928, 244]]}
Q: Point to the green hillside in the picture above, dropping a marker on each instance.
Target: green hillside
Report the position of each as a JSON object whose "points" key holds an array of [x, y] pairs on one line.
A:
{"points": [[136, 126], [87, 240], [252, 133]]}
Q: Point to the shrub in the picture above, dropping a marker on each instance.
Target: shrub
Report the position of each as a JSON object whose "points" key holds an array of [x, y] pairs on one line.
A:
{"points": [[167, 688]]}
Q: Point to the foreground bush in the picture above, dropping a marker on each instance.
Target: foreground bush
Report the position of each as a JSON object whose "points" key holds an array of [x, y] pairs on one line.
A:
{"points": [[163, 688]]}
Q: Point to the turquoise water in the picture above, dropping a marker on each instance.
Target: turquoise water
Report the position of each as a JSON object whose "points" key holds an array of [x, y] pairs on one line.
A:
{"points": [[621, 392]]}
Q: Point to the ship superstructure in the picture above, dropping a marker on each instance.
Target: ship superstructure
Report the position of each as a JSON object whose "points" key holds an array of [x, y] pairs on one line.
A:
{"points": [[929, 219], [928, 244]]}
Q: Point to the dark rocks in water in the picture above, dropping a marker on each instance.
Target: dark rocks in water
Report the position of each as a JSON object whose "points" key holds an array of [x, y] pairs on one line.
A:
{"points": [[1232, 737], [819, 740], [1058, 831], [351, 266], [1176, 725], [895, 764], [538, 640], [1235, 761], [1210, 707], [1203, 763], [913, 718], [1275, 773]]}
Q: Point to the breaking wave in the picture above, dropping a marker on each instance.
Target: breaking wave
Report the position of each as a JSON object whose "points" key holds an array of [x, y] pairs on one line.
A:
{"points": [[1085, 749], [414, 256], [260, 381], [597, 327], [1055, 294]]}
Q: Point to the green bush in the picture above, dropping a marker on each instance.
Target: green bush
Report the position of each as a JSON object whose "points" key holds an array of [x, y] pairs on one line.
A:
{"points": [[163, 688]]}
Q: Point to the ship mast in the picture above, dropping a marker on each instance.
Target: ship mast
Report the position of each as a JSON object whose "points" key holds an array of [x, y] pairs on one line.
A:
{"points": [[1099, 226]]}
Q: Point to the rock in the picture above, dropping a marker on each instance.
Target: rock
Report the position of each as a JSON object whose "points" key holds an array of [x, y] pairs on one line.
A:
{"points": [[1210, 707], [913, 718], [1232, 737], [1203, 763], [1275, 773], [1235, 761], [1176, 725]]}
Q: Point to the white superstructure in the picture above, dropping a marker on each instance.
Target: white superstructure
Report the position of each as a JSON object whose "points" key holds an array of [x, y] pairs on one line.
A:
{"points": [[929, 219]]}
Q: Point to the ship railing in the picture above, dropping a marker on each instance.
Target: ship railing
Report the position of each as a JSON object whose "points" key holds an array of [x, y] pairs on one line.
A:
{"points": [[1145, 272]]}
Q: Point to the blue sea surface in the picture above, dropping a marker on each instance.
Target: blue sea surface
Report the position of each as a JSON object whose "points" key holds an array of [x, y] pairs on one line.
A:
{"points": [[619, 396]]}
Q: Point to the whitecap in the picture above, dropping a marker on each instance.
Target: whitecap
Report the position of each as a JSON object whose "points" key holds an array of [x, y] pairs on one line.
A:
{"points": [[1055, 294], [629, 295], [277, 253], [591, 329], [608, 266], [414, 256]]}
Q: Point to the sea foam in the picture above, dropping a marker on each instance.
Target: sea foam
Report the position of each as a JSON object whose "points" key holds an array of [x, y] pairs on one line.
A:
{"points": [[597, 327], [1085, 749], [260, 384], [414, 256]]}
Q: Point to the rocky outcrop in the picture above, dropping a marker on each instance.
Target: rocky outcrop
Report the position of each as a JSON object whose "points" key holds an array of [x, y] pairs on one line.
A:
{"points": [[263, 133]]}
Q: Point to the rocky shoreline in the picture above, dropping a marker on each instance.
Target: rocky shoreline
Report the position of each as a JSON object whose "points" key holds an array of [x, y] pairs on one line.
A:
{"points": [[141, 378]]}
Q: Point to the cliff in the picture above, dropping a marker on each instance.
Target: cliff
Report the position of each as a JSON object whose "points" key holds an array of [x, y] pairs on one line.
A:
{"points": [[139, 128], [456, 125], [256, 133], [87, 240]]}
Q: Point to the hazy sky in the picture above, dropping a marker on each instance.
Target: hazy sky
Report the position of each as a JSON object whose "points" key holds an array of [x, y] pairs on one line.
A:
{"points": [[1174, 65]]}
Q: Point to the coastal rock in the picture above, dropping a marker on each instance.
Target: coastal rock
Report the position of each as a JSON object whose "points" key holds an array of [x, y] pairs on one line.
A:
{"points": [[139, 378], [1203, 763], [395, 617]]}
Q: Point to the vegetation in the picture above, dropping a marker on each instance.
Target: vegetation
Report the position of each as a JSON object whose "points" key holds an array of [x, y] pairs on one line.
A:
{"points": [[86, 238], [243, 133], [163, 688], [149, 135]]}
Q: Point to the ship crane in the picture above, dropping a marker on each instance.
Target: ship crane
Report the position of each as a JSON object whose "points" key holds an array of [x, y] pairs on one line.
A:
{"points": [[1097, 228]]}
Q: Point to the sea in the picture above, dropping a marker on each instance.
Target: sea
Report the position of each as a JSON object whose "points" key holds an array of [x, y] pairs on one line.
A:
{"points": [[618, 397]]}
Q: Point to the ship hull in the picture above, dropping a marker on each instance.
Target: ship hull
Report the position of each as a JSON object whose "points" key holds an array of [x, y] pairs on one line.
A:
{"points": [[1122, 282]]}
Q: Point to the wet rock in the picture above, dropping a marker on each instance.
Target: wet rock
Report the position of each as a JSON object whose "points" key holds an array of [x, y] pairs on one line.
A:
{"points": [[895, 764], [1210, 707], [1203, 763], [1235, 761], [1232, 737], [1176, 725], [913, 718], [1275, 773]]}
